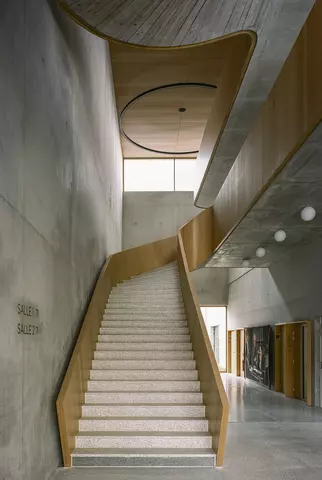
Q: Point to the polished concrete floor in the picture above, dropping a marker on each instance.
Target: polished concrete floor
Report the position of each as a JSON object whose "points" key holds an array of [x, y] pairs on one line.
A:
{"points": [[270, 437]]}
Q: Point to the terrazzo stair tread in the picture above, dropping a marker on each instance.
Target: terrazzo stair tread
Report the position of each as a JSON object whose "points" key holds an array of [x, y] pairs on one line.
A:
{"points": [[142, 331], [174, 285], [143, 296], [145, 302], [146, 307], [143, 323], [174, 294], [130, 424], [143, 374], [137, 439], [134, 346], [143, 355], [144, 338], [144, 364], [143, 386], [121, 287], [149, 457], [118, 315], [146, 452], [146, 398], [137, 410]]}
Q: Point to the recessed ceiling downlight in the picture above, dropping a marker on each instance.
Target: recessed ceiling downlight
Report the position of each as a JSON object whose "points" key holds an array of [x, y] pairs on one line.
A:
{"points": [[280, 235], [246, 262], [182, 109], [260, 252], [308, 213]]}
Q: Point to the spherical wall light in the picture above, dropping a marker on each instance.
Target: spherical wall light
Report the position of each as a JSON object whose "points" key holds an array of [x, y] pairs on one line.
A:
{"points": [[280, 235], [245, 262], [260, 252], [308, 213]]}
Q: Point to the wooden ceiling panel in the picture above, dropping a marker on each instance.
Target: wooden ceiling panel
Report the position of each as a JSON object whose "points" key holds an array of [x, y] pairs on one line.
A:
{"points": [[154, 120]]}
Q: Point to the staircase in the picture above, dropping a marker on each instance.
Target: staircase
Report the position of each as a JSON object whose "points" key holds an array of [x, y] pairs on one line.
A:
{"points": [[143, 405]]}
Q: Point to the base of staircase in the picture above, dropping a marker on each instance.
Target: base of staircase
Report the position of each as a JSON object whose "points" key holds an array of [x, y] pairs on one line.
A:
{"points": [[107, 457]]}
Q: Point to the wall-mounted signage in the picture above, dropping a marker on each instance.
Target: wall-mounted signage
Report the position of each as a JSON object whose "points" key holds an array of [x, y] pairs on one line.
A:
{"points": [[29, 319]]}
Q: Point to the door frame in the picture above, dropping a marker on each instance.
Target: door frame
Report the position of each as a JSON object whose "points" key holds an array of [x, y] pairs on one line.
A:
{"points": [[280, 357]]}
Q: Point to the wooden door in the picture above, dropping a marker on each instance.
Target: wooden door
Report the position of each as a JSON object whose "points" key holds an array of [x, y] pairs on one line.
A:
{"points": [[229, 352], [293, 373], [233, 352]]}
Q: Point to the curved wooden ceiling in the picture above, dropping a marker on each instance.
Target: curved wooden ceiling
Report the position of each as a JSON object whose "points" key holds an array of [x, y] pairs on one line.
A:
{"points": [[154, 120], [173, 23], [172, 118]]}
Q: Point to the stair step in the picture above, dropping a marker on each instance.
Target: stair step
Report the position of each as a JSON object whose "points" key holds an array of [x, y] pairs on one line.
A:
{"points": [[143, 397], [143, 411], [144, 338], [144, 294], [139, 457], [143, 386], [141, 424], [157, 330], [135, 299], [140, 307], [172, 324], [144, 374], [144, 364], [143, 440], [165, 289], [143, 355], [144, 316], [165, 346]]}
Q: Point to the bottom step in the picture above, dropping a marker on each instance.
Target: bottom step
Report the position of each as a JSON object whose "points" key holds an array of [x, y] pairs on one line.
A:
{"points": [[137, 457]]}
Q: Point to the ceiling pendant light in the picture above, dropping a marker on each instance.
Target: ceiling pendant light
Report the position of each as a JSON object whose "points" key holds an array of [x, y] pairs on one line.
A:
{"points": [[308, 213], [245, 262], [260, 252], [280, 235]]}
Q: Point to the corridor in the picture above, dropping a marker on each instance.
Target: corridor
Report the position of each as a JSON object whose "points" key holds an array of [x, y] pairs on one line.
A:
{"points": [[270, 437]]}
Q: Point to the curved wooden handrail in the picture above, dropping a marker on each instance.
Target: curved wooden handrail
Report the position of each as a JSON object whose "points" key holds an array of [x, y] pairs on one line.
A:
{"points": [[195, 243]]}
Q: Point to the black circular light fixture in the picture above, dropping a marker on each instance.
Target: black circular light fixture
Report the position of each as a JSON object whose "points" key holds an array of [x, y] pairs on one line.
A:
{"points": [[181, 110]]}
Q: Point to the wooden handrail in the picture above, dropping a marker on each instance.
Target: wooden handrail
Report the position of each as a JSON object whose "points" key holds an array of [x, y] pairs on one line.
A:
{"points": [[195, 245], [120, 266]]}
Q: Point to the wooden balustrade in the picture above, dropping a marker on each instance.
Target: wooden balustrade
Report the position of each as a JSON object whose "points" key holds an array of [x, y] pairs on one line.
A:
{"points": [[194, 245]]}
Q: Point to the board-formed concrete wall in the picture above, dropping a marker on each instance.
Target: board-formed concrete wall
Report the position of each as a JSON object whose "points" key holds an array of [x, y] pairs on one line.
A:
{"points": [[60, 215]]}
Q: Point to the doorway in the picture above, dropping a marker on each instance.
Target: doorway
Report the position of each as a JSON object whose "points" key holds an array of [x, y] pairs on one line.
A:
{"points": [[293, 360], [215, 319]]}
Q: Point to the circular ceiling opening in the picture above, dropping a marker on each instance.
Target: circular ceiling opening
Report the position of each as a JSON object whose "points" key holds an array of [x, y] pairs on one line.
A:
{"points": [[153, 120]]}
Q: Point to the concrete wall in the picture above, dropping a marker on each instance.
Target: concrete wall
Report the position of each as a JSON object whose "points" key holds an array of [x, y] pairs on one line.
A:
{"points": [[150, 216], [289, 290], [60, 214], [211, 285]]}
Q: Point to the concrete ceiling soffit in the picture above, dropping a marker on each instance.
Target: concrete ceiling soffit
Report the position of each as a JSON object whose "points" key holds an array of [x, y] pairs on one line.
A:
{"points": [[277, 28], [279, 208]]}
